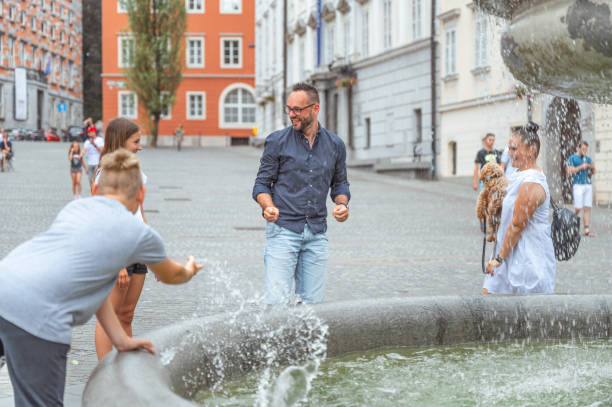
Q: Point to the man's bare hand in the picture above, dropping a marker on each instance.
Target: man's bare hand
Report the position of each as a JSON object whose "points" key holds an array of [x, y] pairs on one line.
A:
{"points": [[341, 213], [270, 213]]}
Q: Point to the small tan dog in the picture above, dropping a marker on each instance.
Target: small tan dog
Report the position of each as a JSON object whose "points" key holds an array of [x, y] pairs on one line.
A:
{"points": [[489, 205]]}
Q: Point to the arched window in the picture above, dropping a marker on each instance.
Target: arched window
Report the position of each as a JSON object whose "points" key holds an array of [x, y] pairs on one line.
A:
{"points": [[238, 108]]}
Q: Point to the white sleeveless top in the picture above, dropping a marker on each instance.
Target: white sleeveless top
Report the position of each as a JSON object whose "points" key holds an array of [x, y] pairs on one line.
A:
{"points": [[531, 265]]}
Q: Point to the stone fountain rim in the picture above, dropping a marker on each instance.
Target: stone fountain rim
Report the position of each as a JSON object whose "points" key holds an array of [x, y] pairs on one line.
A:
{"points": [[137, 378]]}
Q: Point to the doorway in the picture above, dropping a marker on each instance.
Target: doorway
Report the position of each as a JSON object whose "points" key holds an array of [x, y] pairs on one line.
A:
{"points": [[40, 97], [452, 157]]}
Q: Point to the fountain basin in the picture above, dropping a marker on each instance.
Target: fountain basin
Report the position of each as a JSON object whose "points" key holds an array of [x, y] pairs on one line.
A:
{"points": [[197, 353], [561, 47]]}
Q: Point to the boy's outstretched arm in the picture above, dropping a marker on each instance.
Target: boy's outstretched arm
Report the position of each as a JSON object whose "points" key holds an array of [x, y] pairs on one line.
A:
{"points": [[109, 321], [171, 272]]}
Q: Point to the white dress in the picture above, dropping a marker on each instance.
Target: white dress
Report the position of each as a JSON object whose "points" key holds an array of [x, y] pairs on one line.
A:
{"points": [[531, 266]]}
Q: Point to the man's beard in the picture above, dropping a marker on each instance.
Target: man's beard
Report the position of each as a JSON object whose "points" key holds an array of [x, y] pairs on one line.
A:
{"points": [[305, 122]]}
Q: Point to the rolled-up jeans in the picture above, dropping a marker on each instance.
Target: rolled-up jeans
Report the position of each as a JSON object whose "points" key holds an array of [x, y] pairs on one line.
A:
{"points": [[290, 255]]}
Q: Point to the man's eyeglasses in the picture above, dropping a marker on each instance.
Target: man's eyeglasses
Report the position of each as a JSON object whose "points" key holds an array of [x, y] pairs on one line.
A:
{"points": [[296, 110]]}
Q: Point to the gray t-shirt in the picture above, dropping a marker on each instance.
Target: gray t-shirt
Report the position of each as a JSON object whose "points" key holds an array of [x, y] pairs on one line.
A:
{"points": [[61, 277]]}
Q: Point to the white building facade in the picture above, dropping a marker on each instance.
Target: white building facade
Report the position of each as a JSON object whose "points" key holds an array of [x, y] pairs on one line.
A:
{"points": [[478, 95], [372, 63]]}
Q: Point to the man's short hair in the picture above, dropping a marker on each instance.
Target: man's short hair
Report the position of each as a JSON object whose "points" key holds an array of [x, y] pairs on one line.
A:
{"points": [[120, 174], [489, 135], [583, 143], [311, 91]]}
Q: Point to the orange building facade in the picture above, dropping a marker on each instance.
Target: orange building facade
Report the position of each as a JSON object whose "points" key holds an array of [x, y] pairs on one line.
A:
{"points": [[215, 101], [41, 64]]}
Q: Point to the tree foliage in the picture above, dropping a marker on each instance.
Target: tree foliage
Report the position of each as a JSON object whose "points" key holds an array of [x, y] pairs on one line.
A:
{"points": [[155, 72]]}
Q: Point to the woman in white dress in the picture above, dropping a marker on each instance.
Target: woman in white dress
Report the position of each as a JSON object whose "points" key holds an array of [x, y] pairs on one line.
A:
{"points": [[525, 258]]}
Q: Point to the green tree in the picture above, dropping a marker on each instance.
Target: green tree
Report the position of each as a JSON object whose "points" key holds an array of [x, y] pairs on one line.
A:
{"points": [[156, 58]]}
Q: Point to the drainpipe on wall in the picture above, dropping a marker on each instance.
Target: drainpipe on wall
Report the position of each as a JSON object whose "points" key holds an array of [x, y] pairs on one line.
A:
{"points": [[284, 60], [433, 91]]}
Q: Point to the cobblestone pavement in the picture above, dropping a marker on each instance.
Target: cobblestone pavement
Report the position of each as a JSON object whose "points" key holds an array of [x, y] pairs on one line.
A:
{"points": [[403, 238]]}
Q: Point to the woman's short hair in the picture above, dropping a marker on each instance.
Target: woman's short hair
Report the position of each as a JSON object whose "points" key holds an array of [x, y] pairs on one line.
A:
{"points": [[529, 135], [120, 174]]}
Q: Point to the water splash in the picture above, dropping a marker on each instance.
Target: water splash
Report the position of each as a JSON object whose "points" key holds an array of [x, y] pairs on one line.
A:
{"points": [[285, 346]]}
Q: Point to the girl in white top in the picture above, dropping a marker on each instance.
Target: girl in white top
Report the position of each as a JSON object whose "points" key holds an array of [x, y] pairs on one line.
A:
{"points": [[122, 133], [525, 259]]}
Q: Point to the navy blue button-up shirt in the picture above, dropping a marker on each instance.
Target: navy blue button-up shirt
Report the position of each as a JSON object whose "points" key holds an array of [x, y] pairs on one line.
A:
{"points": [[298, 177]]}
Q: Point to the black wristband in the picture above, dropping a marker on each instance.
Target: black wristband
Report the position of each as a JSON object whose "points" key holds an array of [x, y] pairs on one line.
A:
{"points": [[499, 259], [343, 203]]}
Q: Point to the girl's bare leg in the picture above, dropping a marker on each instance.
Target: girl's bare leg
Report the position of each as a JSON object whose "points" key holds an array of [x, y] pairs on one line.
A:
{"points": [[78, 181], [127, 308], [73, 176]]}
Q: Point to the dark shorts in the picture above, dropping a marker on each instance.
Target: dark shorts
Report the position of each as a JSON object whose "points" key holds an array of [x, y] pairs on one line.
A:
{"points": [[75, 170], [136, 268]]}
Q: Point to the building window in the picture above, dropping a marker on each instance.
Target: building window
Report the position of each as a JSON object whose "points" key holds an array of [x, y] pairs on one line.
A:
{"points": [[480, 42], [387, 23], [365, 32], [315, 49], [238, 109], [34, 23], [126, 51], [302, 58], [11, 51], [128, 105], [122, 6], [196, 105], [167, 107], [450, 52], [347, 38], [231, 52], [195, 52], [416, 19], [195, 6], [230, 6], [368, 132], [329, 43], [21, 50], [418, 125]]}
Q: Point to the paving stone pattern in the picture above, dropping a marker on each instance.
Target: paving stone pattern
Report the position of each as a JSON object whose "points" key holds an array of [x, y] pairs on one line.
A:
{"points": [[403, 237]]}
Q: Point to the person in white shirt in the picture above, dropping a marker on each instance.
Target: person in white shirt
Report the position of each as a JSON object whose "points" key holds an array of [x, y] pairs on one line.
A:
{"points": [[92, 148]]}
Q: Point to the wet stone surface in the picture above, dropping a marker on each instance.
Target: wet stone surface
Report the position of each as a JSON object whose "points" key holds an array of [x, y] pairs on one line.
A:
{"points": [[403, 238]]}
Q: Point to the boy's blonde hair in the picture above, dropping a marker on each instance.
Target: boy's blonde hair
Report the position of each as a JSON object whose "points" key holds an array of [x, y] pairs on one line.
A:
{"points": [[120, 174]]}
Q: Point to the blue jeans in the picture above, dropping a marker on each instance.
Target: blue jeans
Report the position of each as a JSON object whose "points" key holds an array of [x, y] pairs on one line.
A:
{"points": [[290, 255]]}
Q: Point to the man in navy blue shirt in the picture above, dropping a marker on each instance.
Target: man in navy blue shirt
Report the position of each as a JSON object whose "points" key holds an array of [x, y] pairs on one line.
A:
{"points": [[299, 165], [581, 167]]}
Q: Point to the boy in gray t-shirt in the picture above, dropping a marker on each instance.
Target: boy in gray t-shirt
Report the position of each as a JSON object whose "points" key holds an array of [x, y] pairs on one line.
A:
{"points": [[56, 280]]}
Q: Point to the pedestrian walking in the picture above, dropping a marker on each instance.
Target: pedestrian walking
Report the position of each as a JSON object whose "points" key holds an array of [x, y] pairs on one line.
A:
{"points": [[6, 150], [92, 148], [525, 261], [178, 135], [299, 166], [54, 282], [76, 168], [122, 133], [486, 154], [581, 167]]}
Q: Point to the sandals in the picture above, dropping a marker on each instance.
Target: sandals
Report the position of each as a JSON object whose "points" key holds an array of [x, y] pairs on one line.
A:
{"points": [[588, 233]]}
